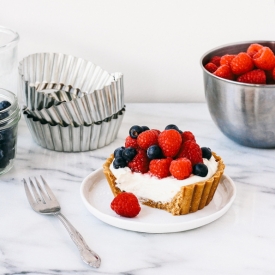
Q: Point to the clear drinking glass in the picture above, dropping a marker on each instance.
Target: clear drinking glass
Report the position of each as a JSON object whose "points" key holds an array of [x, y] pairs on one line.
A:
{"points": [[8, 59]]}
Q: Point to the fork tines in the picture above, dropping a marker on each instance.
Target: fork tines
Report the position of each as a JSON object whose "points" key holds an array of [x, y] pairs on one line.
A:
{"points": [[39, 193]]}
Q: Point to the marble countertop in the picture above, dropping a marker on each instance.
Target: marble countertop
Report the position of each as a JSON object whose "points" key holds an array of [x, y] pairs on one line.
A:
{"points": [[240, 242]]}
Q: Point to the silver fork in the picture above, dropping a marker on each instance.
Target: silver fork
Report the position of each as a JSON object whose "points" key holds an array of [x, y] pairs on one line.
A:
{"points": [[46, 203]]}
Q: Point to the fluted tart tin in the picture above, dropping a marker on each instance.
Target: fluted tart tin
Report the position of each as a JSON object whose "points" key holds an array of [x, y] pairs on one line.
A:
{"points": [[69, 138]]}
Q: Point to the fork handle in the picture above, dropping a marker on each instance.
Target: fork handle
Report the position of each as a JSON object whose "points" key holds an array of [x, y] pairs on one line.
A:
{"points": [[87, 255]]}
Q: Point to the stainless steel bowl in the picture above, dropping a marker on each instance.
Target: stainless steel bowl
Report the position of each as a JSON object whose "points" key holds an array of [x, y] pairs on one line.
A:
{"points": [[243, 112]]}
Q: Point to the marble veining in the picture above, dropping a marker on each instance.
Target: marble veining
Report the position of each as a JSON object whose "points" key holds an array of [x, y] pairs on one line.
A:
{"points": [[240, 242]]}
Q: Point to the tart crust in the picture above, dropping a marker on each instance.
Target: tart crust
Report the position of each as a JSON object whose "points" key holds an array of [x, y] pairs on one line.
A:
{"points": [[189, 199]]}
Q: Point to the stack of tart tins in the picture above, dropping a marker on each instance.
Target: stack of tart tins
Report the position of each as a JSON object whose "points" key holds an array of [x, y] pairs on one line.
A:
{"points": [[70, 104]]}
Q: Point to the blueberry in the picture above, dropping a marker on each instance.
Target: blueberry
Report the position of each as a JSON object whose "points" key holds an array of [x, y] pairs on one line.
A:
{"points": [[119, 162], [154, 152], [173, 126], [8, 134], [129, 153], [4, 160], [200, 169], [135, 131], [118, 151], [4, 105], [206, 152], [145, 128]]}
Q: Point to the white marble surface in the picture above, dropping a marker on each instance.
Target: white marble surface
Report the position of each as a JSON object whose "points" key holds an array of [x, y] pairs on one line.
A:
{"points": [[240, 242]]}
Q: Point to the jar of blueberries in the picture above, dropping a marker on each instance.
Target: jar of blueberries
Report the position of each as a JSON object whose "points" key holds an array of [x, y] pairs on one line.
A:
{"points": [[9, 118]]}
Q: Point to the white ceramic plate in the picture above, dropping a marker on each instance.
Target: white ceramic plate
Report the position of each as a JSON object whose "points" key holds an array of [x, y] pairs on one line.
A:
{"points": [[97, 197]]}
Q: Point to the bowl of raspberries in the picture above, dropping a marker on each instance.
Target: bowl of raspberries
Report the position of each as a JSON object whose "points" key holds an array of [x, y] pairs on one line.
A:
{"points": [[239, 84]]}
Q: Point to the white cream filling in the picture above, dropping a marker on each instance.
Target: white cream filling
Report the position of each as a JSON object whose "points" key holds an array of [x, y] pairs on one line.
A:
{"points": [[150, 187]]}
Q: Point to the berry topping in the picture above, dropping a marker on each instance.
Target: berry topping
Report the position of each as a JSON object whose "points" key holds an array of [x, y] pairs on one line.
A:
{"points": [[187, 135], [224, 71], [154, 152], [160, 167], [147, 139], [211, 67], [170, 142], [140, 163], [135, 131], [118, 151], [144, 128], [191, 150], [206, 152], [181, 168], [200, 169], [126, 204], [241, 63], [4, 105], [131, 142], [129, 153], [172, 126], [264, 59], [226, 59], [216, 60], [119, 162], [253, 48], [257, 76]]}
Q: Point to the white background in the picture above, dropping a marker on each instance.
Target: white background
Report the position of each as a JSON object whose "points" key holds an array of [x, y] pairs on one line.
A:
{"points": [[157, 44]]}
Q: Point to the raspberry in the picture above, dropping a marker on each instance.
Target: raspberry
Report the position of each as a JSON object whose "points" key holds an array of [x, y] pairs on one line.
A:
{"points": [[160, 167], [191, 150], [224, 71], [187, 135], [211, 67], [140, 163], [126, 204], [181, 168], [131, 142], [147, 139], [215, 60], [226, 59], [170, 142], [264, 59], [253, 48], [241, 63], [156, 130], [255, 77]]}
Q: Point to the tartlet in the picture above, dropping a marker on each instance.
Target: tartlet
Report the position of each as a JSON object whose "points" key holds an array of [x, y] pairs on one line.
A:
{"points": [[189, 198]]}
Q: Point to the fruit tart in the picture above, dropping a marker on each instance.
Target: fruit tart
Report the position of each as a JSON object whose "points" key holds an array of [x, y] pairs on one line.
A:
{"points": [[165, 169]]}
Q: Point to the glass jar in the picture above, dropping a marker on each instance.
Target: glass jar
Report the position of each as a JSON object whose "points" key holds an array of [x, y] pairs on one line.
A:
{"points": [[9, 118], [8, 59]]}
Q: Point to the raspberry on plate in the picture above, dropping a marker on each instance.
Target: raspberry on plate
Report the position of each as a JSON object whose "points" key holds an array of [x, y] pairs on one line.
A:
{"points": [[126, 204], [147, 139], [192, 151], [170, 142], [224, 71], [140, 163], [241, 63], [160, 167], [181, 168], [255, 77], [264, 59]]}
